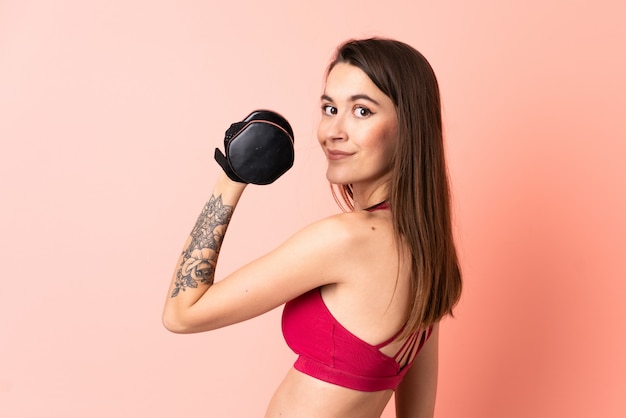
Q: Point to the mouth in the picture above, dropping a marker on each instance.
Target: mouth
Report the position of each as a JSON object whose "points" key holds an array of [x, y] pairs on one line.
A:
{"points": [[337, 155]]}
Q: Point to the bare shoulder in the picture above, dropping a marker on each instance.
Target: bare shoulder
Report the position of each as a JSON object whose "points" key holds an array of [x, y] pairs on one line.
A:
{"points": [[348, 241], [346, 231], [363, 228], [346, 223]]}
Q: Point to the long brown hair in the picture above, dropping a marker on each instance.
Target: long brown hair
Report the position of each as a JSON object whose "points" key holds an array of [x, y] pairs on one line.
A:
{"points": [[419, 193]]}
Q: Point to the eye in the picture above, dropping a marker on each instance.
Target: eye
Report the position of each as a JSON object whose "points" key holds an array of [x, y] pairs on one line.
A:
{"points": [[361, 111], [329, 110]]}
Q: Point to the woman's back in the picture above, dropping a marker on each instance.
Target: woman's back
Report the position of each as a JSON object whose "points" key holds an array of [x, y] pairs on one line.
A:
{"points": [[372, 298], [370, 301]]}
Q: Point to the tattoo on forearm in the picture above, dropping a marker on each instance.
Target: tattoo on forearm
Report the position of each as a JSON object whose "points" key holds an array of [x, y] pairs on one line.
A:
{"points": [[199, 258]]}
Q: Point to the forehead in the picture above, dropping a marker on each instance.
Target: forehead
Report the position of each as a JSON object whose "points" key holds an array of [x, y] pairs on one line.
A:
{"points": [[346, 80]]}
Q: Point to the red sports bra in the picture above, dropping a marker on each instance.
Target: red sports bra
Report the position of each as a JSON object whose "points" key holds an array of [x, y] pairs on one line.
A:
{"points": [[329, 352]]}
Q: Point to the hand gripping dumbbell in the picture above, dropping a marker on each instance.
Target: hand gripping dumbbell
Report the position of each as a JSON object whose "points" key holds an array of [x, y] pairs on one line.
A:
{"points": [[257, 150]]}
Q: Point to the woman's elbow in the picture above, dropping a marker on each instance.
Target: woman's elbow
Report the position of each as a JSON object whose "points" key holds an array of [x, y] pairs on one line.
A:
{"points": [[176, 323], [186, 322]]}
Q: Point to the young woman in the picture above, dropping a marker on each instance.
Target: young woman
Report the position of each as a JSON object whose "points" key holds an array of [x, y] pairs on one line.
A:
{"points": [[365, 289]]}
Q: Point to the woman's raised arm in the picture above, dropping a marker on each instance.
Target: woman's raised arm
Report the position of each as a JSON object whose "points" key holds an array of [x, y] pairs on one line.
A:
{"points": [[317, 255], [195, 270]]}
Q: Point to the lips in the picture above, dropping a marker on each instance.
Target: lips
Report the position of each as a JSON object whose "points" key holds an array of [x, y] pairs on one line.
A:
{"points": [[338, 155]]}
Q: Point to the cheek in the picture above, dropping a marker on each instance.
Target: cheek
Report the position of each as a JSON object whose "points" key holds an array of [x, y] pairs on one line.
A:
{"points": [[392, 138], [386, 154], [387, 142]]}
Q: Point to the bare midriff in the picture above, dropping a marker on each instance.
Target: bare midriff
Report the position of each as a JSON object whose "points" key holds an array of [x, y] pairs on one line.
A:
{"points": [[304, 396]]}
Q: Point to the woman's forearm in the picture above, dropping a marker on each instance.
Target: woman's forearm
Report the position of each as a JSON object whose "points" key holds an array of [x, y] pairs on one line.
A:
{"points": [[195, 268]]}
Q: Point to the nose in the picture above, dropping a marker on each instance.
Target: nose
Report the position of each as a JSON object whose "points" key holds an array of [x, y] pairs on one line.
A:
{"points": [[332, 128]]}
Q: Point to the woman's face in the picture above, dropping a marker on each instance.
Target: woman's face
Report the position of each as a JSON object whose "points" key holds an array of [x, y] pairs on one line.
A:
{"points": [[358, 131]]}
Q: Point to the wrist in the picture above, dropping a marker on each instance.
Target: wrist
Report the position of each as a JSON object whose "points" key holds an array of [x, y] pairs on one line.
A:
{"points": [[224, 181]]}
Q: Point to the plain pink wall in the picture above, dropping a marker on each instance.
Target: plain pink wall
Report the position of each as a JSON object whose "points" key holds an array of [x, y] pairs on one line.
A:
{"points": [[110, 110]]}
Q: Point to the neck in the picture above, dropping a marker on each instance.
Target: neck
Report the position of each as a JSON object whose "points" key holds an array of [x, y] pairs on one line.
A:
{"points": [[371, 198], [378, 206], [369, 193]]}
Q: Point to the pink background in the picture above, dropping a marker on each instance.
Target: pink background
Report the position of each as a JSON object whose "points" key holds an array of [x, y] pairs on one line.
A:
{"points": [[109, 113]]}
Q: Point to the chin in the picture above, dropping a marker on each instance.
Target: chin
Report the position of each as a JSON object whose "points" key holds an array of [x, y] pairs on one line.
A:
{"points": [[338, 179]]}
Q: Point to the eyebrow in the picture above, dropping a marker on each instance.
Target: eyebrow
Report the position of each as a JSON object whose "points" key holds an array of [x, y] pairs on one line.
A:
{"points": [[353, 98]]}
